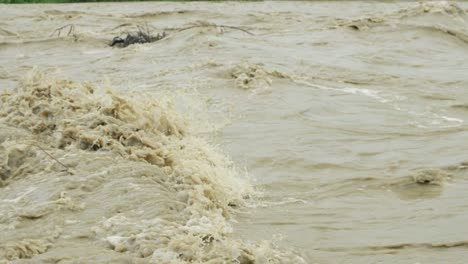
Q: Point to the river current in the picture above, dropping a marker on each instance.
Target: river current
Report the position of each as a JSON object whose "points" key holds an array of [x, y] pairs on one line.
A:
{"points": [[257, 132]]}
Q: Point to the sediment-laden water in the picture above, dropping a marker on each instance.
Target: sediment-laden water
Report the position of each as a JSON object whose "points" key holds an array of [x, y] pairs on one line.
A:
{"points": [[265, 132]]}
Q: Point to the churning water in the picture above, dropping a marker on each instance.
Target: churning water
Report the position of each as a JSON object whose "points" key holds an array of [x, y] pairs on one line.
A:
{"points": [[265, 132]]}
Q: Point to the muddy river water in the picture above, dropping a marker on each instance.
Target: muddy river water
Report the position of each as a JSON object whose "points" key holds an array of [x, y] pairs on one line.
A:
{"points": [[259, 132]]}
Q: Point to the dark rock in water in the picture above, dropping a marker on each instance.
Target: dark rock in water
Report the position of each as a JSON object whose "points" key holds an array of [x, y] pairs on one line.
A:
{"points": [[136, 37]]}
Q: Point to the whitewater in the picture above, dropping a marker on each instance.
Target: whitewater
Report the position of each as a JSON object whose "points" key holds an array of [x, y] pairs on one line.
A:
{"points": [[252, 132]]}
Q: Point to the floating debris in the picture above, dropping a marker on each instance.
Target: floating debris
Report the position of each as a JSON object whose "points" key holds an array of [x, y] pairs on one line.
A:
{"points": [[221, 28], [141, 36], [58, 31]]}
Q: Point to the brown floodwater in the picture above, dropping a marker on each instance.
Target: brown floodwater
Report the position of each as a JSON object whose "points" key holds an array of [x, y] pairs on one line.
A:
{"points": [[260, 132]]}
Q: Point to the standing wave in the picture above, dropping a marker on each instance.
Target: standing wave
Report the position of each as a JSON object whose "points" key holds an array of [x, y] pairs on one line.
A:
{"points": [[89, 175]]}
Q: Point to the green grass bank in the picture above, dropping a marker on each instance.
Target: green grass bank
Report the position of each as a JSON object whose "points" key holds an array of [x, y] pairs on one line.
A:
{"points": [[72, 1]]}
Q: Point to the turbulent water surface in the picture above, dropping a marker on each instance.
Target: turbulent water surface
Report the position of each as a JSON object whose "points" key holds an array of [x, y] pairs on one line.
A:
{"points": [[265, 132]]}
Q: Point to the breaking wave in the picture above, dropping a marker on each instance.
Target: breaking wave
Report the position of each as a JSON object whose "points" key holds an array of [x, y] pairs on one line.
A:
{"points": [[106, 173]]}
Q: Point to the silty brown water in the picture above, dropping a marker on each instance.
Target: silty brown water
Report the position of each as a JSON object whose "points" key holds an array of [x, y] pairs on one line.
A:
{"points": [[348, 117]]}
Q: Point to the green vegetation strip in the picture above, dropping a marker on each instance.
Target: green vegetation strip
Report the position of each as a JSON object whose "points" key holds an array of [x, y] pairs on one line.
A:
{"points": [[69, 1]]}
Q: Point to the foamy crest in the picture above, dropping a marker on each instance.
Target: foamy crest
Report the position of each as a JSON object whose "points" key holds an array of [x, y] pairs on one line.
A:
{"points": [[117, 177]]}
